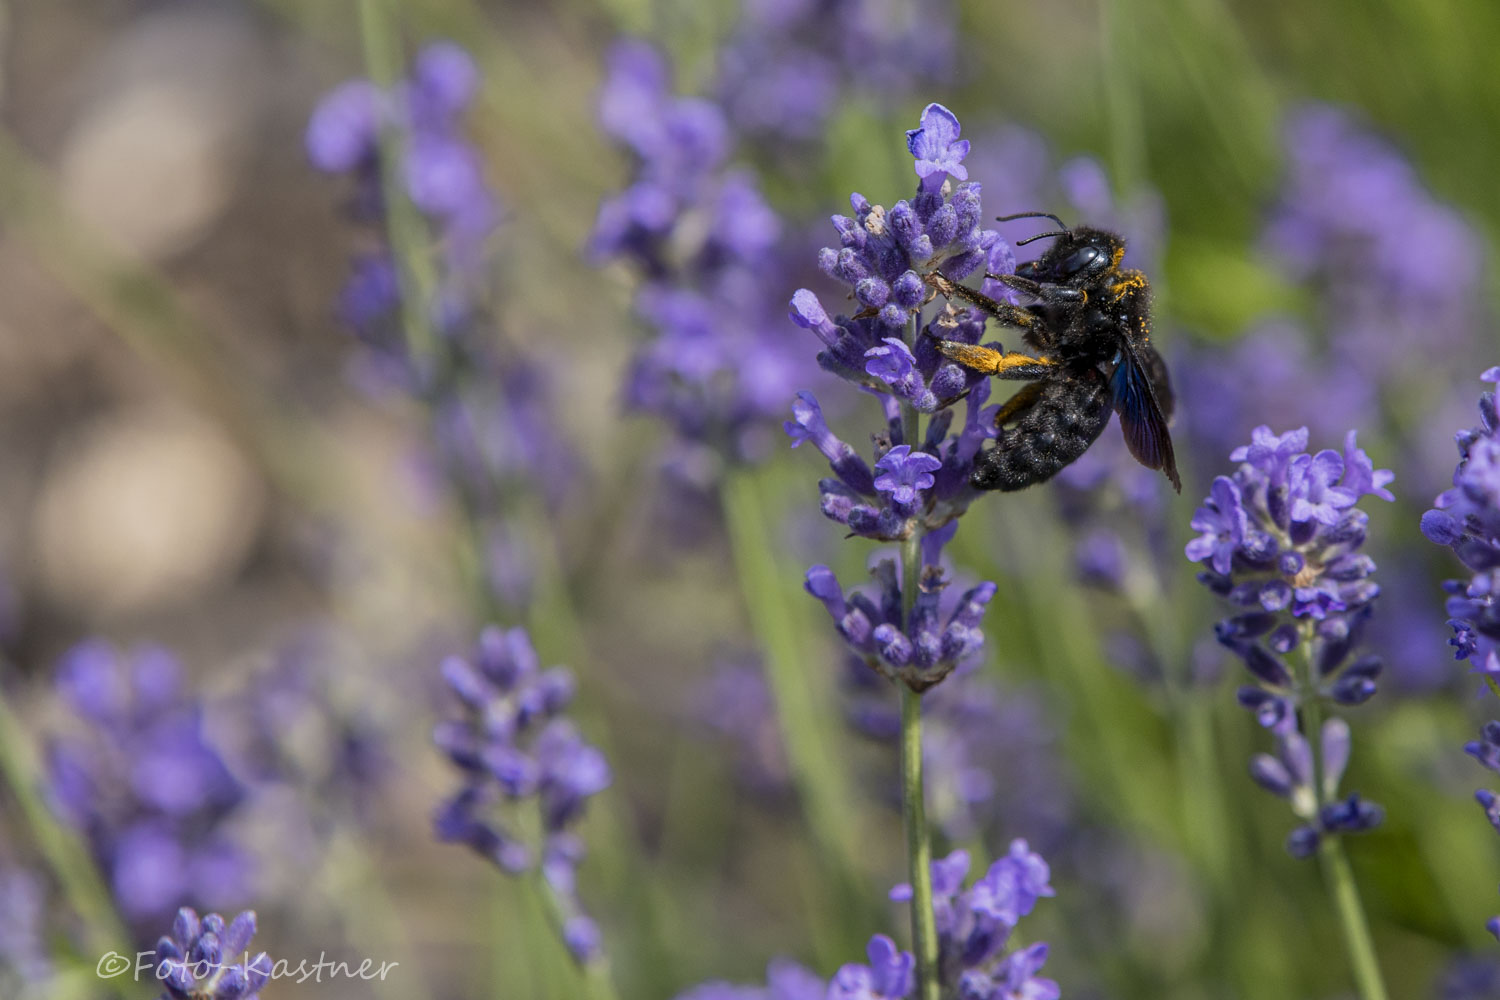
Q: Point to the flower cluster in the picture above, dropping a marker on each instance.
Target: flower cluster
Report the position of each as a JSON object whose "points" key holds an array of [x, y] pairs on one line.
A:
{"points": [[708, 248], [788, 62], [491, 430], [1388, 264], [1466, 518], [197, 961], [139, 779], [514, 748], [974, 925], [441, 173], [932, 643], [298, 726], [1280, 539], [885, 258]]}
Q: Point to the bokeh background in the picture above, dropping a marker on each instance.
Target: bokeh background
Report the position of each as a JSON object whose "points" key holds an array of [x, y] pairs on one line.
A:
{"points": [[196, 451]]}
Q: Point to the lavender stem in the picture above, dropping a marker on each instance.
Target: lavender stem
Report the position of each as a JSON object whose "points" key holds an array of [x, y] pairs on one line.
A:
{"points": [[913, 795], [1337, 874], [1357, 940]]}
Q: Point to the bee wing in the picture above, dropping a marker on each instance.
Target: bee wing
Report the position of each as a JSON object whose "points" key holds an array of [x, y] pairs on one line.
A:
{"points": [[1139, 386]]}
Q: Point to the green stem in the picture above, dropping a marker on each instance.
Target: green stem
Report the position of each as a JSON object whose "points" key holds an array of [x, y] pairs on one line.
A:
{"points": [[913, 793], [404, 227], [598, 983], [1357, 940], [64, 852], [914, 812], [1337, 874]]}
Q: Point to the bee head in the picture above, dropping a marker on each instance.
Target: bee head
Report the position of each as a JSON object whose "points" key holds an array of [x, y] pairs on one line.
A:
{"points": [[1079, 256]]}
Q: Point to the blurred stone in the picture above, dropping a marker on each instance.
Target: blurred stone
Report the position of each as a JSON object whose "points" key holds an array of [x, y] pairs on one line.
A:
{"points": [[152, 158], [144, 511]]}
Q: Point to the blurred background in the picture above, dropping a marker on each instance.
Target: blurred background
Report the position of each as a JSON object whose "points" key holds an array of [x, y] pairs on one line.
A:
{"points": [[211, 445]]}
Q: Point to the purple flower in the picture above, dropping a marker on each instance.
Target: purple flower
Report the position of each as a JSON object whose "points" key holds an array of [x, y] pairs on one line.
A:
{"points": [[1311, 489], [937, 148], [889, 976], [344, 130], [905, 475], [975, 924], [710, 252], [1222, 520], [1281, 541], [1467, 520], [139, 778], [515, 750], [871, 624], [488, 409], [197, 961], [972, 937]]}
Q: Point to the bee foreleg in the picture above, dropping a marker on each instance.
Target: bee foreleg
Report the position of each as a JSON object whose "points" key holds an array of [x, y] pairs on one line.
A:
{"points": [[1003, 311], [1045, 292]]}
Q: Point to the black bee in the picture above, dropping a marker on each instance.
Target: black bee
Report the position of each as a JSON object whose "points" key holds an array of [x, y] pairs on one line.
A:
{"points": [[1091, 327]]}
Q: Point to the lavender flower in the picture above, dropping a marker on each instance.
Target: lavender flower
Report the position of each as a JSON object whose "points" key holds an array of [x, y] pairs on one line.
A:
{"points": [[138, 778], [709, 250], [488, 406], [974, 926], [1388, 265], [1280, 539], [1466, 519], [785, 980], [788, 63], [297, 726], [975, 923], [884, 258], [920, 654], [515, 750], [441, 174], [197, 961]]}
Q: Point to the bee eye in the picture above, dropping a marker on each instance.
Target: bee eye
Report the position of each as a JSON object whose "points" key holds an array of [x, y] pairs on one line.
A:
{"points": [[1080, 259]]}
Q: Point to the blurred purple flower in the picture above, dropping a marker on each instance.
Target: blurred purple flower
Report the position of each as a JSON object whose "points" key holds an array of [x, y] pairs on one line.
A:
{"points": [[515, 749], [710, 252], [138, 778], [488, 406], [788, 63]]}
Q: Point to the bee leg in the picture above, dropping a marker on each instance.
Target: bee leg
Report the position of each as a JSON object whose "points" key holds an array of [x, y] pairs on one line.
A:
{"points": [[988, 361], [1003, 311], [1051, 294], [1018, 404]]}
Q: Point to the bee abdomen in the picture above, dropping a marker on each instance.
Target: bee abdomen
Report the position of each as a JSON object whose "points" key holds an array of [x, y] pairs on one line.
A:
{"points": [[1069, 416]]}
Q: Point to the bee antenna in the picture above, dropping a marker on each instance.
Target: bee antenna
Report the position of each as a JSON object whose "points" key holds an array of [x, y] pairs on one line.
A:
{"points": [[1031, 215], [1043, 236]]}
